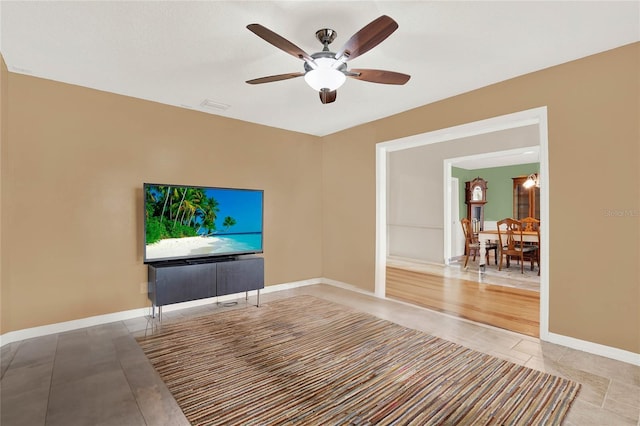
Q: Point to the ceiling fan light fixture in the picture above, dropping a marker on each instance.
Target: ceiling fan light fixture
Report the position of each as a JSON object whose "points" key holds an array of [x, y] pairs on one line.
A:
{"points": [[325, 75]]}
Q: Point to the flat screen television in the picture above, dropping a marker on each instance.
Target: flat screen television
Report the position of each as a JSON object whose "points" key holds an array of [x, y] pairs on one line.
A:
{"points": [[195, 222]]}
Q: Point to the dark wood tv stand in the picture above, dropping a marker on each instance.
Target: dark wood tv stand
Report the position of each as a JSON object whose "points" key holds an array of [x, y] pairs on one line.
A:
{"points": [[183, 281]]}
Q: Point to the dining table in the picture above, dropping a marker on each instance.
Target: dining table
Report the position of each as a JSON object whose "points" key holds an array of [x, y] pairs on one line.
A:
{"points": [[492, 235]]}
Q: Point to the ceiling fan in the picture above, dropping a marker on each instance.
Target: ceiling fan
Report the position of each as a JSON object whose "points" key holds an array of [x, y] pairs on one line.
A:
{"points": [[326, 71]]}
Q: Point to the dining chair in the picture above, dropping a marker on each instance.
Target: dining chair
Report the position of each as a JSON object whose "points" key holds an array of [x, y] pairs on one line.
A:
{"points": [[532, 224], [472, 245], [512, 244]]}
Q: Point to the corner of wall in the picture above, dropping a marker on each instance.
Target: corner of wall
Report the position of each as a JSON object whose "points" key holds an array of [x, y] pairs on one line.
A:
{"points": [[4, 305]]}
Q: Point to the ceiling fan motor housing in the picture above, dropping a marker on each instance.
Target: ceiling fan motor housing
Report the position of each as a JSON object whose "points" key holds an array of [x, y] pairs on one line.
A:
{"points": [[326, 36], [325, 54]]}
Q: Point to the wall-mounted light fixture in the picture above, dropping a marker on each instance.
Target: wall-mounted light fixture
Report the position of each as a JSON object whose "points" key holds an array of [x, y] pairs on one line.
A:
{"points": [[532, 180]]}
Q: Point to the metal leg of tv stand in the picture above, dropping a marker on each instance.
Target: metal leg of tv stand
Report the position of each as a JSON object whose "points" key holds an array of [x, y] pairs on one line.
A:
{"points": [[246, 297], [153, 312]]}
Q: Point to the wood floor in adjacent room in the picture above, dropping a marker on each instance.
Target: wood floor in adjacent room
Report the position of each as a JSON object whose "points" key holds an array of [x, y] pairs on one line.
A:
{"points": [[505, 307]]}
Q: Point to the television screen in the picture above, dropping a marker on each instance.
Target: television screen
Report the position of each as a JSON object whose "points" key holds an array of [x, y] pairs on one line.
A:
{"points": [[186, 222]]}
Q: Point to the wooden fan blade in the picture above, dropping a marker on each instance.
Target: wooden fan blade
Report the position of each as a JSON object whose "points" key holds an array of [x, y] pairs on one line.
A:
{"points": [[278, 77], [278, 41], [326, 96], [367, 38], [379, 76]]}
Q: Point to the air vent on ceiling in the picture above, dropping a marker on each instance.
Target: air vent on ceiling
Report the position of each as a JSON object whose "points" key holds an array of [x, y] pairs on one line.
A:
{"points": [[208, 103], [20, 70]]}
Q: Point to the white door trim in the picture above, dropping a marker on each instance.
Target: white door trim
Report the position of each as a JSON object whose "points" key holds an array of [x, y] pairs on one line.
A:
{"points": [[518, 119]]}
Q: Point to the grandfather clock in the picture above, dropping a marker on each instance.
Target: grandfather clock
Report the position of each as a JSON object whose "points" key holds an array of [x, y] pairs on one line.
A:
{"points": [[476, 198]]}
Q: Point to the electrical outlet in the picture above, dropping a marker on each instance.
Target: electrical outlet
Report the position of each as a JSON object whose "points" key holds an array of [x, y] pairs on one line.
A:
{"points": [[143, 288]]}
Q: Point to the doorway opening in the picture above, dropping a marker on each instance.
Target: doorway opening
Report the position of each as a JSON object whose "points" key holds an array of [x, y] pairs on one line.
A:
{"points": [[535, 117], [499, 165]]}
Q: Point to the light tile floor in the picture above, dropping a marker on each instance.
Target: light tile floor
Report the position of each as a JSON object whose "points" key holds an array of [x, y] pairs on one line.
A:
{"points": [[100, 376]]}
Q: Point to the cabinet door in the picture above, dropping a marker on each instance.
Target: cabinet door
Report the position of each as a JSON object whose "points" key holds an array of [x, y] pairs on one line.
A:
{"points": [[183, 283], [525, 201], [240, 275]]}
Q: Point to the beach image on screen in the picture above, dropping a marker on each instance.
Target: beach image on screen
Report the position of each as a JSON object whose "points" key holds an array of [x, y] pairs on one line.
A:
{"points": [[183, 222]]}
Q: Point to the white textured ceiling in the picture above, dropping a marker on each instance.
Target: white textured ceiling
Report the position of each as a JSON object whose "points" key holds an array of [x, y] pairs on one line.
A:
{"points": [[181, 53], [499, 159]]}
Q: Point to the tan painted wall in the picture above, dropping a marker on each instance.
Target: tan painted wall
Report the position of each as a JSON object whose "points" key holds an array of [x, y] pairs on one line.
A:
{"points": [[76, 161], [594, 131], [74, 254]]}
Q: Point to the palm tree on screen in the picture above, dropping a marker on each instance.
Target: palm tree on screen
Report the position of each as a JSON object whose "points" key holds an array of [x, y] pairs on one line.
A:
{"points": [[210, 214], [228, 222]]}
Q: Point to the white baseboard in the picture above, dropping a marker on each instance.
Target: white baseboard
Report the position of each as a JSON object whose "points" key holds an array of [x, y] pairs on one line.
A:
{"points": [[28, 333], [294, 284], [61, 327], [594, 348], [347, 286]]}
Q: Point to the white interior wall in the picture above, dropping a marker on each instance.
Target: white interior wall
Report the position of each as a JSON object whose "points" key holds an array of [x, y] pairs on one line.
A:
{"points": [[415, 200]]}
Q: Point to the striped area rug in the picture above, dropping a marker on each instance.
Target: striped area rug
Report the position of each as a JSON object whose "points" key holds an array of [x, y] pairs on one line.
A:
{"points": [[306, 361]]}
